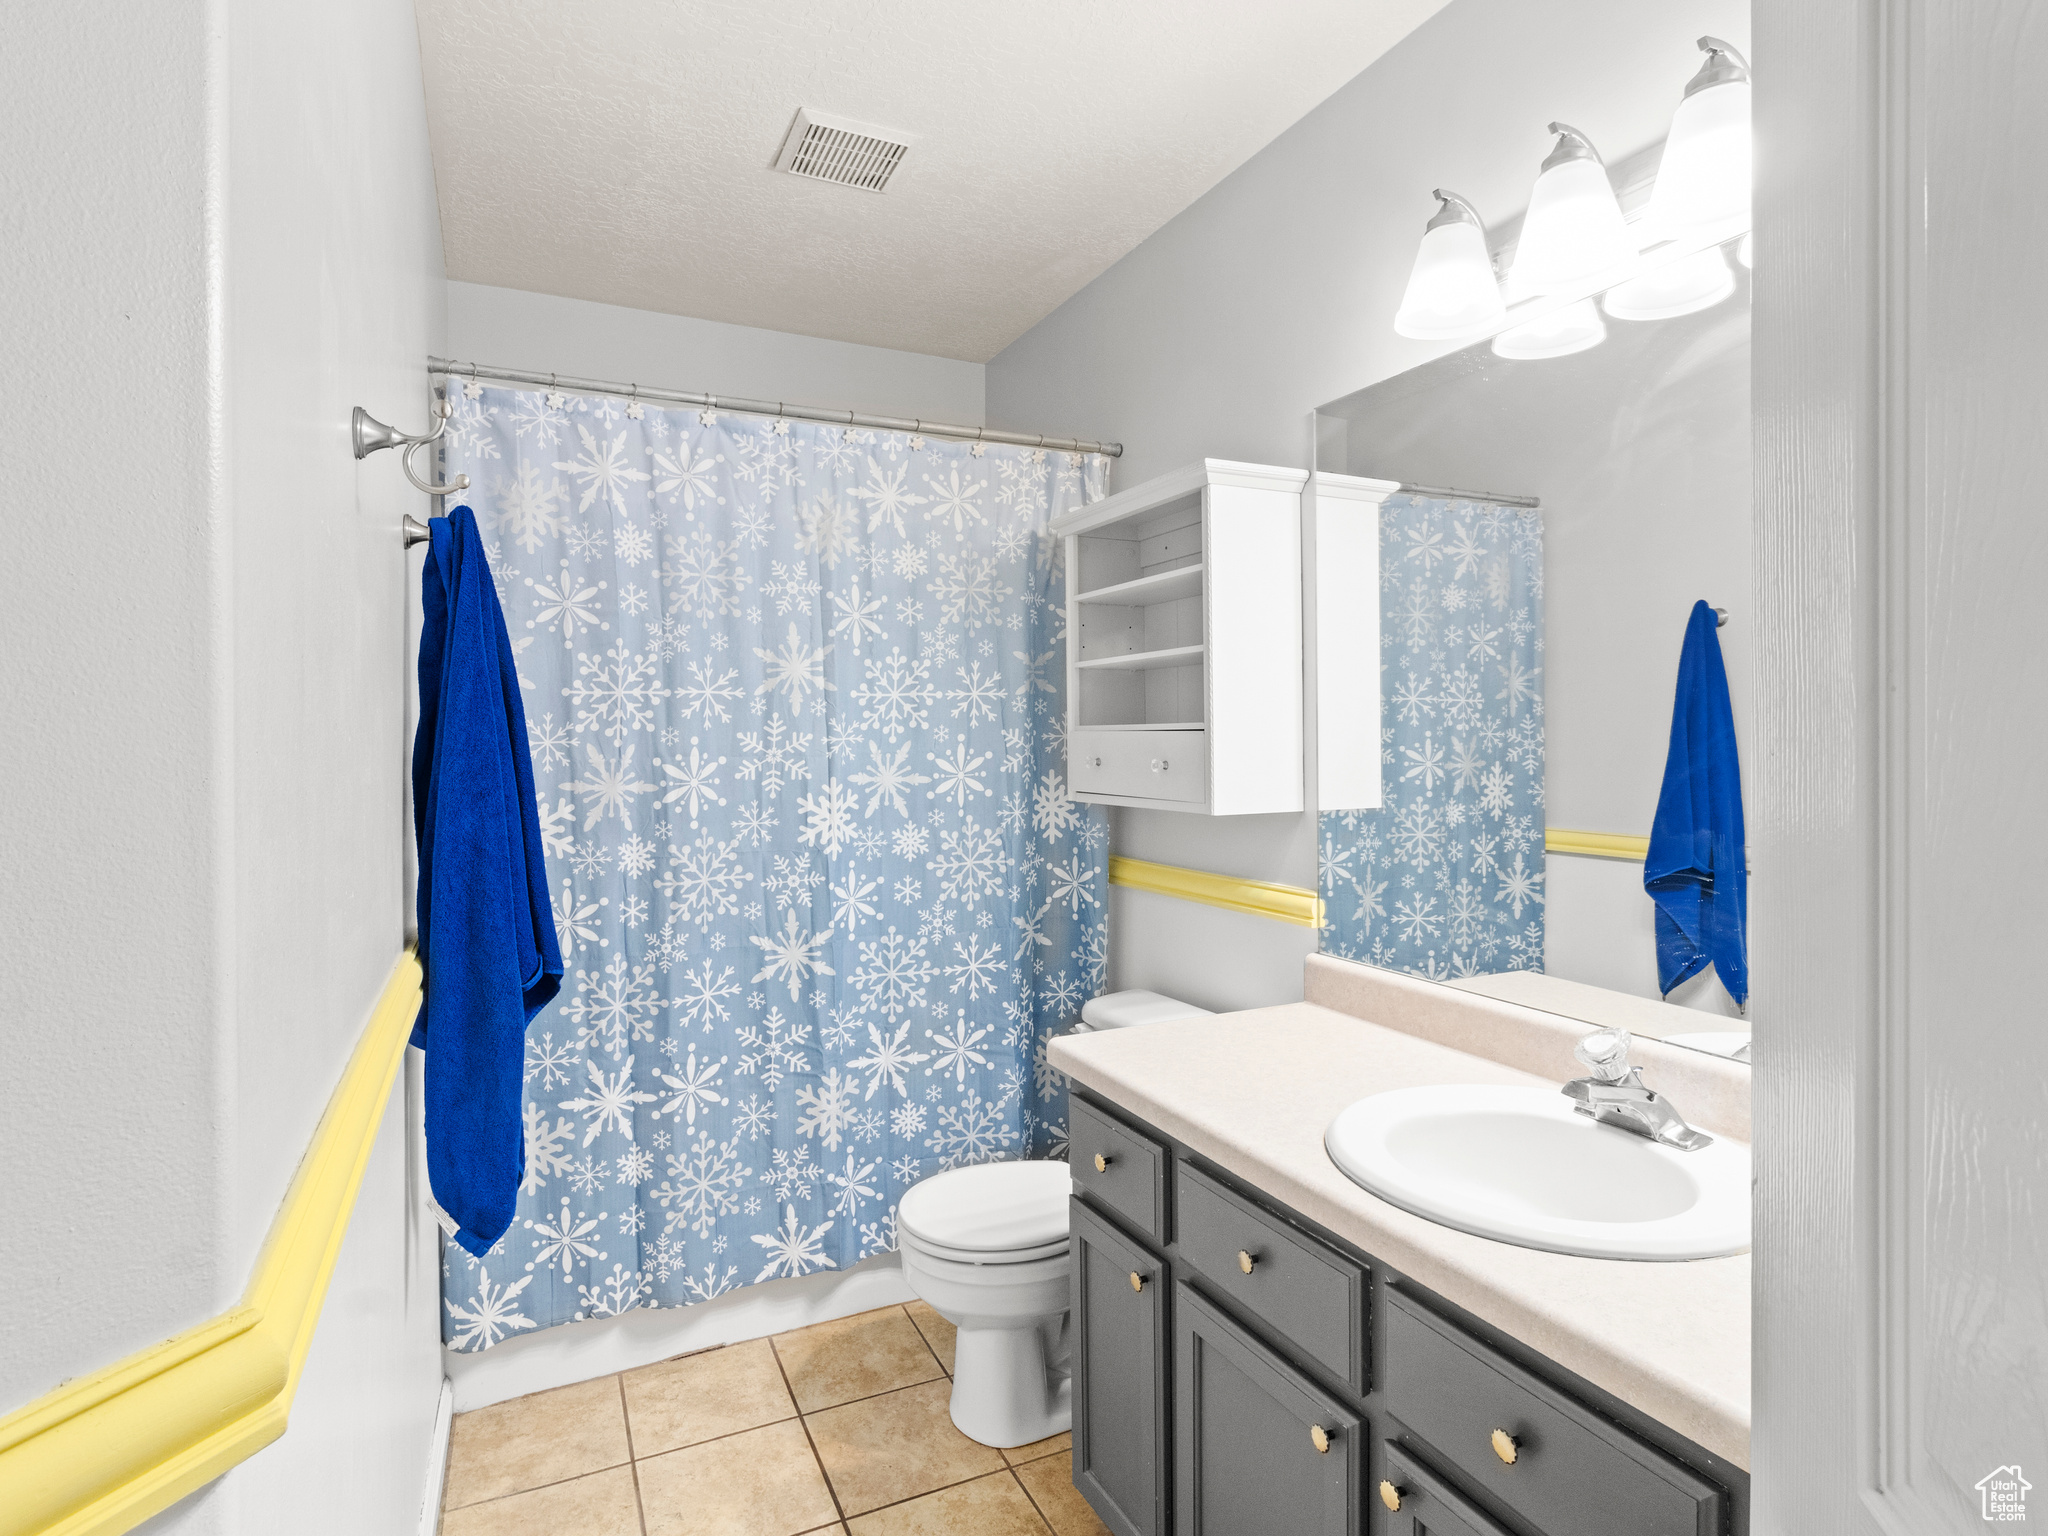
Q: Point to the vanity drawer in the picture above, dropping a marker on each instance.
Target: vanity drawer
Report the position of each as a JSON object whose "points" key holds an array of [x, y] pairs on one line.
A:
{"points": [[1142, 765], [1121, 1169], [1419, 1503], [1309, 1293], [1573, 1471]]}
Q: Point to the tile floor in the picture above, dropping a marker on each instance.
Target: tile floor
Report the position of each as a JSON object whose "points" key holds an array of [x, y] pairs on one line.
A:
{"points": [[841, 1427]]}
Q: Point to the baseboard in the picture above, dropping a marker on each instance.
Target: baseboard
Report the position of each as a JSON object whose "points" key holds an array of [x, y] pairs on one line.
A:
{"points": [[575, 1352], [437, 1461]]}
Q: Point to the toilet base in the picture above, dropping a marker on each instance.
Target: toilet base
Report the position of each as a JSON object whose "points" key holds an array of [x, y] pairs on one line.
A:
{"points": [[990, 1364]]}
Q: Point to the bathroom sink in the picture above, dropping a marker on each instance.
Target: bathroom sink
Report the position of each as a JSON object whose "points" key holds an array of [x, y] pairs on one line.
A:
{"points": [[1520, 1165]]}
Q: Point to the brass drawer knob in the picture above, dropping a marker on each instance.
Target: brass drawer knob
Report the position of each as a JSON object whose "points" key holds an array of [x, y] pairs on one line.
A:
{"points": [[1319, 1438], [1390, 1494], [1245, 1260], [1506, 1447], [1102, 1162], [1137, 1281]]}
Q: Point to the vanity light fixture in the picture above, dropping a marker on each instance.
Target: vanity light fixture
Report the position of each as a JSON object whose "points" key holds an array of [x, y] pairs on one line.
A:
{"points": [[1744, 253], [1452, 293], [1681, 287], [1574, 235], [1705, 174], [1574, 328]]}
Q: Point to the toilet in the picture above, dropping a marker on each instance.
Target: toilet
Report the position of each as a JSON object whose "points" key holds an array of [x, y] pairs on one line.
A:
{"points": [[986, 1248]]}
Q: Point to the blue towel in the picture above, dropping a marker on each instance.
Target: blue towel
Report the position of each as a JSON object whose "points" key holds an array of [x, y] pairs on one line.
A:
{"points": [[487, 932], [1695, 870]]}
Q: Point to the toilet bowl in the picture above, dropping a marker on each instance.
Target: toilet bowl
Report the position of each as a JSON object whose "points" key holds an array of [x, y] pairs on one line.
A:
{"points": [[986, 1247]]}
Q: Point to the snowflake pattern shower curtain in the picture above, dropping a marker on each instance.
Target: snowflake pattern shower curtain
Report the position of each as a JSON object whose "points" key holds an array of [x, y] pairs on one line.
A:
{"points": [[1446, 878], [796, 700]]}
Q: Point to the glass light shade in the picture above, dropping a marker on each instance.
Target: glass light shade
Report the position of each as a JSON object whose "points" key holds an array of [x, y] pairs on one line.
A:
{"points": [[1743, 252], [1681, 287], [1574, 231], [1451, 293], [1704, 176], [1574, 328]]}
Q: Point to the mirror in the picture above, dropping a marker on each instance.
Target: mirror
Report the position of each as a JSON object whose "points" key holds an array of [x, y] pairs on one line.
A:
{"points": [[1530, 656]]}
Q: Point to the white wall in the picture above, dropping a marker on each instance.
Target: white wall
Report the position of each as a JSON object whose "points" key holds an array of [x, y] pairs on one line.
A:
{"points": [[542, 333], [225, 236], [1275, 292], [117, 1031]]}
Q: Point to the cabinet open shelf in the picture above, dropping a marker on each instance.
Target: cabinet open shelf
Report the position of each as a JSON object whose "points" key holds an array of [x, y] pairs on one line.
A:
{"points": [[1184, 655], [1161, 587], [1145, 661]]}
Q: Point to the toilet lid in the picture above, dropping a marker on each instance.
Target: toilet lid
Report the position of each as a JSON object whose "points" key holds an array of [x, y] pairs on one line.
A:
{"points": [[990, 1208]]}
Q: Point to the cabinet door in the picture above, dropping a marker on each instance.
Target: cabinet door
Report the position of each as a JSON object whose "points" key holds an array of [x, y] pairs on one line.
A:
{"points": [[1119, 1363], [1260, 1450]]}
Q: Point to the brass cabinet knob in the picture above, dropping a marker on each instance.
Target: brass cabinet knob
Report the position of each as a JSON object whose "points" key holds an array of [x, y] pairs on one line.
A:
{"points": [[1102, 1162], [1137, 1281], [1506, 1447], [1245, 1260], [1390, 1494], [1320, 1439]]}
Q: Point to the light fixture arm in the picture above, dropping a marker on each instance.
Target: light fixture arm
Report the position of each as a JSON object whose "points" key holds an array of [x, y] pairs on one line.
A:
{"points": [[1724, 65], [1571, 145], [369, 435], [1454, 210]]}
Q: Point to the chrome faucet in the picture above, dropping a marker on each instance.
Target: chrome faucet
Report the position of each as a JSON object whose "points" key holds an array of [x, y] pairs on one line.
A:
{"points": [[1614, 1094]]}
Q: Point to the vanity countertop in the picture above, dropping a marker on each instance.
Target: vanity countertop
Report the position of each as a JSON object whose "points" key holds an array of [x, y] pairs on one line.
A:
{"points": [[1253, 1092]]}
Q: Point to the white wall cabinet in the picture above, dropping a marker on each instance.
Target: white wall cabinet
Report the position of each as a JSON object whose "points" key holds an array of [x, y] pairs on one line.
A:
{"points": [[1342, 516], [1184, 642]]}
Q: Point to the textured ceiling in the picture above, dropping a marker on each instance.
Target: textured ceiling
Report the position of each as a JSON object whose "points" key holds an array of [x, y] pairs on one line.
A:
{"points": [[619, 150]]}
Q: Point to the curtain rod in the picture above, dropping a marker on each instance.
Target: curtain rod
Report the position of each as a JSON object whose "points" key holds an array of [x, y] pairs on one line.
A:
{"points": [[1448, 493], [767, 407]]}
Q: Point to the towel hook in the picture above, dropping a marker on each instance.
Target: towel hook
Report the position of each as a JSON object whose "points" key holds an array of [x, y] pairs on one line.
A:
{"points": [[1720, 618], [371, 436]]}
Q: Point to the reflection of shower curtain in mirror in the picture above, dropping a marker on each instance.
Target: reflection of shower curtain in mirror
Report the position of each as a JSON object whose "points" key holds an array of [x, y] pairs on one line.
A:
{"points": [[1446, 879], [796, 698]]}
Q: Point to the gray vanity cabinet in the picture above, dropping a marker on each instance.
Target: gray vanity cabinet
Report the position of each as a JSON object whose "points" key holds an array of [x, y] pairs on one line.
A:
{"points": [[1242, 1371], [1120, 1379], [1258, 1446]]}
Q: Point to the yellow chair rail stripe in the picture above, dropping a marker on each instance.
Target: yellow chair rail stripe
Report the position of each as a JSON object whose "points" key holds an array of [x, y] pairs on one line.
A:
{"points": [[1598, 845], [1260, 898], [101, 1454]]}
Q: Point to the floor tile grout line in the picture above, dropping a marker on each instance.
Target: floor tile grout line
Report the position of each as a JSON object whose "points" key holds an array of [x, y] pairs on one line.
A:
{"points": [[498, 1498], [633, 1461], [1032, 1499], [824, 1472], [942, 1488], [927, 1343], [730, 1434]]}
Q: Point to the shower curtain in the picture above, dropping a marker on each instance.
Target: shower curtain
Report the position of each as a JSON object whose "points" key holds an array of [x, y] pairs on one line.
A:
{"points": [[796, 702], [1446, 878]]}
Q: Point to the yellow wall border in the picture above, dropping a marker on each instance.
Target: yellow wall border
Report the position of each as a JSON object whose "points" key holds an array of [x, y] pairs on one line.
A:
{"points": [[1260, 898], [103, 1453], [1596, 845]]}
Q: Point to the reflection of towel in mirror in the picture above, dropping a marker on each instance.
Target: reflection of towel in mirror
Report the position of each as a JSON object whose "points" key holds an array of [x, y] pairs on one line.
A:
{"points": [[487, 932], [1695, 871]]}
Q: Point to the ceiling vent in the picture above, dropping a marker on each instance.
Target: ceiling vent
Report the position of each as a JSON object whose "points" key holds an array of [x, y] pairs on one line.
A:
{"points": [[837, 149]]}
